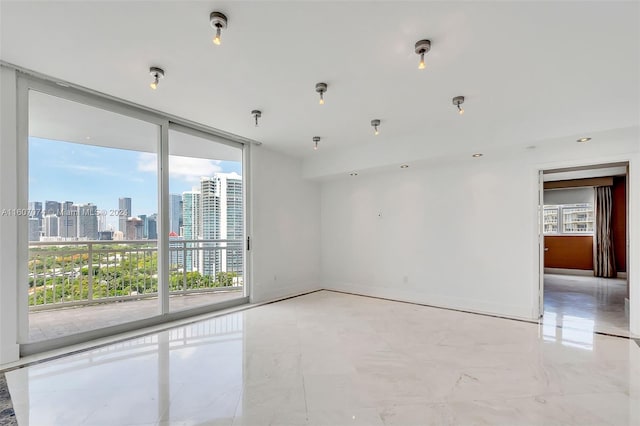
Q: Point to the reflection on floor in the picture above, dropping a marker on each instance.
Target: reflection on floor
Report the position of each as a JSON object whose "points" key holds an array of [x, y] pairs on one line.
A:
{"points": [[335, 359], [585, 303], [54, 323]]}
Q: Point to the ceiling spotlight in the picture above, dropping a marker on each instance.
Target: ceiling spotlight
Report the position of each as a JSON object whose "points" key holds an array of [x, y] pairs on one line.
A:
{"points": [[316, 139], [218, 21], [256, 114], [404, 166], [457, 101], [157, 74], [422, 47], [478, 155], [375, 124], [353, 174], [583, 140], [321, 88]]}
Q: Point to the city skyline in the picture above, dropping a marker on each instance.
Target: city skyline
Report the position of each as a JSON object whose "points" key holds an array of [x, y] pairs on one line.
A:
{"points": [[67, 171]]}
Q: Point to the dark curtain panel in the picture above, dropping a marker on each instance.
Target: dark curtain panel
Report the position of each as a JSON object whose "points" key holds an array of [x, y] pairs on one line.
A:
{"points": [[604, 263]]}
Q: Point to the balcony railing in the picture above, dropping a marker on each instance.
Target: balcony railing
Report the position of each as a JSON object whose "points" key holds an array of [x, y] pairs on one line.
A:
{"points": [[67, 273]]}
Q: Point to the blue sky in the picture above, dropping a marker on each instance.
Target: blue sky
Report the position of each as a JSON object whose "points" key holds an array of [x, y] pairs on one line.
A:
{"points": [[64, 171]]}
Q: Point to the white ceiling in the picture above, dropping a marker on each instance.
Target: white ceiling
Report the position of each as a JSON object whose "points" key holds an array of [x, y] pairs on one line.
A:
{"points": [[529, 70], [55, 118]]}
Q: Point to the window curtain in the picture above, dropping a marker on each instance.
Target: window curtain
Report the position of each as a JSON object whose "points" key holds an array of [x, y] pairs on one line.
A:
{"points": [[604, 264]]}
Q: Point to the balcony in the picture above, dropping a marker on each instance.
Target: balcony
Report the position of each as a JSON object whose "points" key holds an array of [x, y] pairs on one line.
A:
{"points": [[77, 286]]}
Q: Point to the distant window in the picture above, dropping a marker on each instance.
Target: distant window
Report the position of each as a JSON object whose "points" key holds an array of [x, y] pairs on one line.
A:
{"points": [[569, 219]]}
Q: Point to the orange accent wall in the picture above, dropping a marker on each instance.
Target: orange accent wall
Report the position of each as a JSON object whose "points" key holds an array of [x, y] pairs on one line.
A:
{"points": [[619, 222], [569, 252]]}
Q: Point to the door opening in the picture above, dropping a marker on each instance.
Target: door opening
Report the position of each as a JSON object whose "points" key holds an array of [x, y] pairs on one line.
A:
{"points": [[584, 242]]}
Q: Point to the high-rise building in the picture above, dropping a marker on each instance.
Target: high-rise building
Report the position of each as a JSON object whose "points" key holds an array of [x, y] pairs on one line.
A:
{"points": [[222, 219], [68, 221], [134, 229], [102, 221], [232, 221], [34, 229], [152, 227], [35, 209], [88, 221], [191, 226], [175, 213], [50, 225], [52, 207], [35, 212], [145, 225], [213, 211], [209, 225], [124, 207]]}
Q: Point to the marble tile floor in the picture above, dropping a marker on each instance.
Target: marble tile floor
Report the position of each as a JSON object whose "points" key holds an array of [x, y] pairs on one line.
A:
{"points": [[335, 359], [54, 323], [585, 304]]}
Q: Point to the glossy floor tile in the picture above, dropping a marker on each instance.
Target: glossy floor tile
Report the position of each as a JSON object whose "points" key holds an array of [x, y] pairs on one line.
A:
{"points": [[585, 304], [335, 359], [53, 323]]}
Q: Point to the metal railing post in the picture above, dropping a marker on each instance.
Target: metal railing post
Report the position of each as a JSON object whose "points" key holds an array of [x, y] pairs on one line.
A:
{"points": [[184, 266], [90, 274]]}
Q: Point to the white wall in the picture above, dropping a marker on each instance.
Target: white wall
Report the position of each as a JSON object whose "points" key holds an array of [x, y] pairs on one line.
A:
{"points": [[457, 233], [285, 229], [8, 224], [458, 236]]}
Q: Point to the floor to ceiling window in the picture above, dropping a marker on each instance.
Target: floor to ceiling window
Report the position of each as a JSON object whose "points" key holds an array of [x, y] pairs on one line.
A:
{"points": [[132, 218], [206, 221], [91, 218]]}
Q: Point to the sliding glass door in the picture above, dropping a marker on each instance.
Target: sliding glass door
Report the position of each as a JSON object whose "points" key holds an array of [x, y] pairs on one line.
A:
{"points": [[92, 198], [206, 224], [130, 218]]}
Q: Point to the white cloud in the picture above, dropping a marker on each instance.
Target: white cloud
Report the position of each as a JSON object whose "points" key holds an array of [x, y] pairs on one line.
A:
{"points": [[147, 162], [187, 169]]}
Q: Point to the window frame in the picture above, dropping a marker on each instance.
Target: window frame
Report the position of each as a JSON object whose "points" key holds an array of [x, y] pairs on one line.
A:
{"points": [[560, 222], [26, 81]]}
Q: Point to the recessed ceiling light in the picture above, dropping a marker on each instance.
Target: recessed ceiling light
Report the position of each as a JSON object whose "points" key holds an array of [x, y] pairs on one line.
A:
{"points": [[422, 47], [353, 174], [404, 166], [583, 140], [218, 21], [478, 155], [157, 74], [321, 88]]}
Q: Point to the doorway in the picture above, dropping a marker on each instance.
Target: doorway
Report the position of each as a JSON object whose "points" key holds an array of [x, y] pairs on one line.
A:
{"points": [[584, 251]]}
